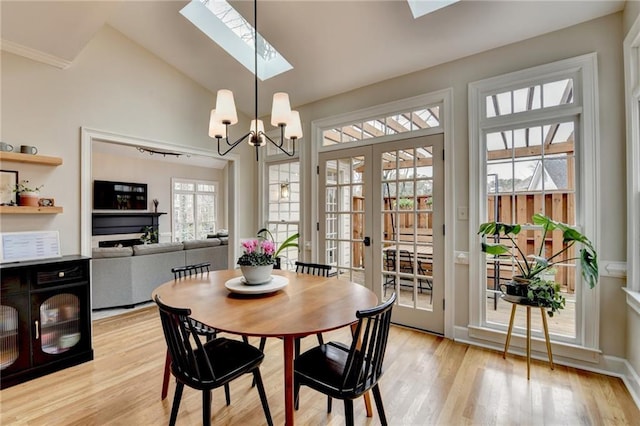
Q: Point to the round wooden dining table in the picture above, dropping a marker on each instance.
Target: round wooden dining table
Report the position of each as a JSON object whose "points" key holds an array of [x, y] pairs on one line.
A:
{"points": [[307, 305]]}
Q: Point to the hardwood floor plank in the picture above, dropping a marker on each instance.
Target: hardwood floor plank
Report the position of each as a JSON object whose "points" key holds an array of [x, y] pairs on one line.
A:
{"points": [[428, 380]]}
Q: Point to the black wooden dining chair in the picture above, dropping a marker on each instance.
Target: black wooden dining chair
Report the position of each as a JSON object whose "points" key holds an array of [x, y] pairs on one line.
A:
{"points": [[188, 270], [347, 372], [202, 329], [209, 365], [317, 269]]}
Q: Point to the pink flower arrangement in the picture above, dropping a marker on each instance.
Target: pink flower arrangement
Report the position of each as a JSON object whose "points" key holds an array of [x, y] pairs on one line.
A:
{"points": [[257, 253]]}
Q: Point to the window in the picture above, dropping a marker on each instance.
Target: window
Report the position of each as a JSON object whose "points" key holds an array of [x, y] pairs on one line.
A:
{"points": [[194, 209], [283, 211], [632, 88], [409, 121], [533, 151], [226, 27]]}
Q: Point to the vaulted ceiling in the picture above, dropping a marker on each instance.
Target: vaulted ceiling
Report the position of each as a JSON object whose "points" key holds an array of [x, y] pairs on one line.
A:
{"points": [[334, 46]]}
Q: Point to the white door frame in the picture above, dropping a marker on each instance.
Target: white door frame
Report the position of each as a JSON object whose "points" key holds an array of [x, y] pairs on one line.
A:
{"points": [[445, 98]]}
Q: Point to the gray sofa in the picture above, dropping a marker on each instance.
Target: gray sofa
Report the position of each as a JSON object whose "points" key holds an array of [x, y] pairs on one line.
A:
{"points": [[126, 276]]}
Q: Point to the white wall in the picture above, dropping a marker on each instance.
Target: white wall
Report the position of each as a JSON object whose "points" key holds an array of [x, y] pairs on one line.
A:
{"points": [[114, 85], [603, 36]]}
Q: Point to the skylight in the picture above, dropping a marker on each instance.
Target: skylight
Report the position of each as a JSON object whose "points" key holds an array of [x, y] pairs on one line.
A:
{"points": [[422, 7], [225, 26]]}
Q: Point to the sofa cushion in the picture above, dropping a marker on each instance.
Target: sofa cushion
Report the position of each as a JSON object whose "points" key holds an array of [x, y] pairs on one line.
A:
{"points": [[224, 240], [142, 249], [209, 242], [107, 252]]}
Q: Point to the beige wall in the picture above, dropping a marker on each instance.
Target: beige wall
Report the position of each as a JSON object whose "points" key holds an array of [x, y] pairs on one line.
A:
{"points": [[603, 36], [630, 13], [114, 85]]}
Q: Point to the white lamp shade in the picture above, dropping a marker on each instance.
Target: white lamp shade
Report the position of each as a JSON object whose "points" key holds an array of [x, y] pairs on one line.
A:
{"points": [[259, 133], [294, 128], [216, 128], [281, 110], [226, 107]]}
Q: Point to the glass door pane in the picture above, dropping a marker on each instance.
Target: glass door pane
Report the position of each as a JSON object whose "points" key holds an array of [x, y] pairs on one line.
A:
{"points": [[410, 180], [343, 214]]}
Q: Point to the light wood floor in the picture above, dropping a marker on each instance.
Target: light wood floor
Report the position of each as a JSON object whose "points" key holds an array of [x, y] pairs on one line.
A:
{"points": [[428, 380]]}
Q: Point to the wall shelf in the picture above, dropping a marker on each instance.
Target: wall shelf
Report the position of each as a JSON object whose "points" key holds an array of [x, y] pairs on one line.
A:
{"points": [[17, 157], [29, 210]]}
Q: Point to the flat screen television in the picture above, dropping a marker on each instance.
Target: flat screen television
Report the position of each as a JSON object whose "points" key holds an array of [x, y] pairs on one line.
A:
{"points": [[110, 195]]}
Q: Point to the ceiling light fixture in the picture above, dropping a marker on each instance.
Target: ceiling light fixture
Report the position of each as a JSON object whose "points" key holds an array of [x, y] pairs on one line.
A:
{"points": [[225, 115]]}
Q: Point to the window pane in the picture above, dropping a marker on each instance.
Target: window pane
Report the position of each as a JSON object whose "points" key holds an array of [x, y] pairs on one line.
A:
{"points": [[530, 98], [408, 121], [194, 210]]}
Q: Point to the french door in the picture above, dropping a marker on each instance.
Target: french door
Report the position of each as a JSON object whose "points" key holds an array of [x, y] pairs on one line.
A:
{"points": [[381, 223]]}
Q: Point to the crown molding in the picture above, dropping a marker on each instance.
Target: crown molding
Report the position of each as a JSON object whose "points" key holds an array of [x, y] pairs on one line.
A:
{"points": [[33, 54]]}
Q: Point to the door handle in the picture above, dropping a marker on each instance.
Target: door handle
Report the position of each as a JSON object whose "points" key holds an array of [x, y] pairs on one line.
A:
{"points": [[367, 241]]}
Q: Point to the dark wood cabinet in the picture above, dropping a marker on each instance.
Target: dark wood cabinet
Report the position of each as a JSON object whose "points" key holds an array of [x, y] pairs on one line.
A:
{"points": [[45, 317]]}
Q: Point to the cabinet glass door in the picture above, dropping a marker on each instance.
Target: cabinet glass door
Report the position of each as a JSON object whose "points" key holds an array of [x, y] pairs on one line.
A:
{"points": [[60, 322], [9, 342], [14, 334]]}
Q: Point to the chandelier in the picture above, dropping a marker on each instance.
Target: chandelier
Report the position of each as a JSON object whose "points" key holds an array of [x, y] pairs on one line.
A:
{"points": [[224, 115]]}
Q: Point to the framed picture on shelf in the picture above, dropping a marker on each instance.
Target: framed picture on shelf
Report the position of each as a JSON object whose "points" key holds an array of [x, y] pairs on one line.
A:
{"points": [[8, 182], [46, 202]]}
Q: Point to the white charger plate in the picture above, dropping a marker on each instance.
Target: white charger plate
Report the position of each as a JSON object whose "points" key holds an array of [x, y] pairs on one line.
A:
{"points": [[237, 285]]}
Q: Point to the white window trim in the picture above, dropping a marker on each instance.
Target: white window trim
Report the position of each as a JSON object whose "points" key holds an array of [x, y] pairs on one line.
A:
{"points": [[263, 180], [631, 51], [443, 97], [587, 183], [216, 191]]}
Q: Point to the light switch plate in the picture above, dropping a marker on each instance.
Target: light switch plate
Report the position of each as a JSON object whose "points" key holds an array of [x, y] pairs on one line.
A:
{"points": [[463, 213]]}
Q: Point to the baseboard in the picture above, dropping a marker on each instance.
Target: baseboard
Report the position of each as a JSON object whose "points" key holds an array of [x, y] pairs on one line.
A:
{"points": [[631, 380]]}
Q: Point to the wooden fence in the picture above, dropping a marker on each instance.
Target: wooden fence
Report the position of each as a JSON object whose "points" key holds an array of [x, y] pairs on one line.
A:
{"points": [[509, 209]]}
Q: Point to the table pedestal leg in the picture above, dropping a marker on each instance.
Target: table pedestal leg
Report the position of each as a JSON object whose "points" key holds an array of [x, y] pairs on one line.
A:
{"points": [[288, 380], [546, 336]]}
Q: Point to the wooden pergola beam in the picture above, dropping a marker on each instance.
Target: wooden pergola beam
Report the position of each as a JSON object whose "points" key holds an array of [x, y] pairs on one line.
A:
{"points": [[531, 151]]}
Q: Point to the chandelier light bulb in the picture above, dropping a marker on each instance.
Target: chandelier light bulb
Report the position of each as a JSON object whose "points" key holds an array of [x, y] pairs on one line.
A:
{"points": [[294, 128], [216, 128], [226, 107], [259, 133], [281, 109]]}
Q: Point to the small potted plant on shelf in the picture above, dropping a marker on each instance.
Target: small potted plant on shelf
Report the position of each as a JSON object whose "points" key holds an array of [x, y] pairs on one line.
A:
{"points": [[291, 241], [28, 195], [531, 285]]}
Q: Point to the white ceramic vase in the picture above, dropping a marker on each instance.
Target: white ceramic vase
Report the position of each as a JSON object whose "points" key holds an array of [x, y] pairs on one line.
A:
{"points": [[254, 275]]}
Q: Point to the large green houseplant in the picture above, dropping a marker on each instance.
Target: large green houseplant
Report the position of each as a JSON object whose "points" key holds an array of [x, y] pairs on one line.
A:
{"points": [[531, 267]]}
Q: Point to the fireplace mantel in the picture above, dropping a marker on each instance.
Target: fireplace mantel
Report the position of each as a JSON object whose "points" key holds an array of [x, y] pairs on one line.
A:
{"points": [[123, 222]]}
